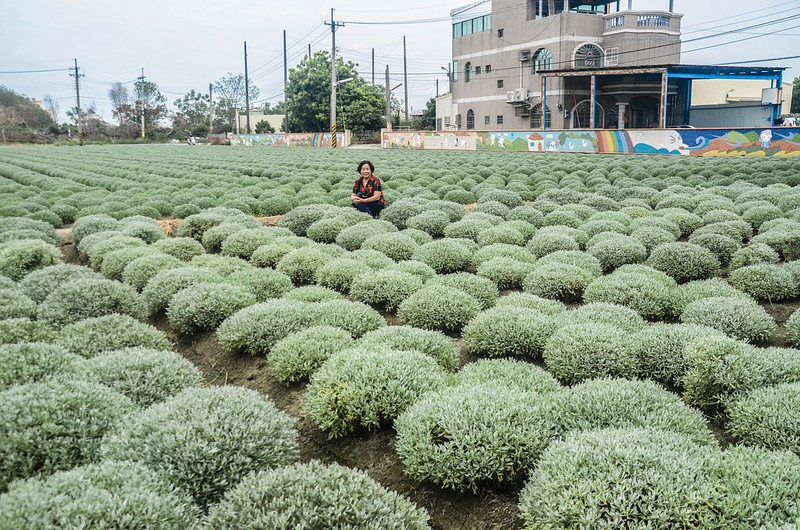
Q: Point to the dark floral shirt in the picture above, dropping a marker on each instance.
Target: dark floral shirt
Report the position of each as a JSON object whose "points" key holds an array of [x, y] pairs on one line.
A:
{"points": [[367, 190]]}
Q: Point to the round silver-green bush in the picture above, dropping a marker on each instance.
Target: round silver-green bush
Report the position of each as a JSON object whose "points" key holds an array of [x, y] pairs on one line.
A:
{"points": [[14, 330], [21, 257], [417, 268], [482, 289], [598, 479], [92, 336], [530, 301], [205, 440], [502, 233], [474, 436], [214, 236], [508, 331], [756, 216], [495, 208], [164, 285], [740, 319], [312, 293], [557, 281], [699, 289], [24, 363], [242, 243], [544, 243], [257, 328], [753, 254], [115, 262], [503, 250], [438, 307], [767, 417], [368, 387], [146, 376], [301, 264], [14, 304], [506, 273], [792, 328], [445, 256], [222, 265], [642, 293], [313, 495], [765, 282], [432, 222], [106, 494], [579, 352], [300, 354], [469, 227], [785, 241], [433, 343], [684, 261], [372, 258], [622, 403], [53, 426], [614, 250], [384, 288], [575, 258], [723, 247], [528, 214], [96, 246], [261, 283], [417, 235], [183, 248], [338, 274], [203, 306], [508, 373], [326, 229], [140, 271], [352, 237], [90, 297], [617, 315], [354, 317], [397, 246], [93, 223], [652, 236]]}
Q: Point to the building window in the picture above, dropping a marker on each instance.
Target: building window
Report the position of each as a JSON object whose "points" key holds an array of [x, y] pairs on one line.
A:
{"points": [[582, 118], [457, 30], [500, 119], [466, 27], [458, 121], [473, 25], [468, 72], [500, 33], [470, 119], [487, 22], [478, 70], [477, 25], [612, 57], [536, 117], [652, 21], [589, 56], [488, 69], [447, 121], [542, 60], [487, 120], [615, 22], [455, 70], [499, 83], [438, 124]]}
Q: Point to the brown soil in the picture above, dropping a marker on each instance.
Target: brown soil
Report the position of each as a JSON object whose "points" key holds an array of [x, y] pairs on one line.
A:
{"points": [[371, 452]]}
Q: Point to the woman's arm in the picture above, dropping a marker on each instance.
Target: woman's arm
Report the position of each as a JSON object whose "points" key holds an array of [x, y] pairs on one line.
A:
{"points": [[376, 196]]}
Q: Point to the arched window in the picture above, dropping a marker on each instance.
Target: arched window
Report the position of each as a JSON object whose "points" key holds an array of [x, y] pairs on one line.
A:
{"points": [[470, 119], [536, 117], [458, 121], [542, 60], [468, 72], [589, 56], [581, 115]]}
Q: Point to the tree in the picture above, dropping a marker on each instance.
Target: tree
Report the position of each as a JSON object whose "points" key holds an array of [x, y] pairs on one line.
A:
{"points": [[361, 106], [52, 106], [23, 112], [91, 121], [231, 98], [120, 101], [192, 115], [796, 96], [427, 122], [278, 108], [264, 126], [149, 97]]}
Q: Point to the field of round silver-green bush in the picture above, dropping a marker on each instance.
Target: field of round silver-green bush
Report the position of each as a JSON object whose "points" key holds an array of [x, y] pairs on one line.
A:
{"points": [[519, 341]]}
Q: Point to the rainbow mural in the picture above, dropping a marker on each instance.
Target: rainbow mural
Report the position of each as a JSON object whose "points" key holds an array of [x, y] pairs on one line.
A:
{"points": [[285, 139]]}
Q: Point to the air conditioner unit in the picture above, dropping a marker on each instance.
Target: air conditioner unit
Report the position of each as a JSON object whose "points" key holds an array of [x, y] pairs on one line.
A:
{"points": [[521, 95], [510, 96], [525, 55]]}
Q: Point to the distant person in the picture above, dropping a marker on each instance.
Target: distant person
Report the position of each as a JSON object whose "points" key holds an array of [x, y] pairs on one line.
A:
{"points": [[790, 121], [367, 193]]}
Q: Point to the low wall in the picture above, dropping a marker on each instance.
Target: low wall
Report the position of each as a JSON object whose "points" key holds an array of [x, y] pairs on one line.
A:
{"points": [[280, 139], [776, 141]]}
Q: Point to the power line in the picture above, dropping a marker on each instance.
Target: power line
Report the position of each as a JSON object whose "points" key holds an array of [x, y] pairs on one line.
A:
{"points": [[770, 60], [35, 71]]}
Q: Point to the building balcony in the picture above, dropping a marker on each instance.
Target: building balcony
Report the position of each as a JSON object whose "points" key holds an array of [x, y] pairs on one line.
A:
{"points": [[662, 22]]}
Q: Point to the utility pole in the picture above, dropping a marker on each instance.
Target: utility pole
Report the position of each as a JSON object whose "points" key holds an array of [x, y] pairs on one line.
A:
{"points": [[373, 66], [309, 50], [246, 89], [286, 82], [405, 77], [141, 102], [449, 78], [77, 77], [437, 87], [333, 24], [210, 108], [388, 102]]}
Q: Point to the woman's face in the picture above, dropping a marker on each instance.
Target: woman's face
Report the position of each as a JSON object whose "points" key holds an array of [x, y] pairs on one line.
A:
{"points": [[366, 172]]}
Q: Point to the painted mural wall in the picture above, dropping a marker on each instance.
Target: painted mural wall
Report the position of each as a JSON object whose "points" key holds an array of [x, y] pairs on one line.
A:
{"points": [[280, 139], [778, 141]]}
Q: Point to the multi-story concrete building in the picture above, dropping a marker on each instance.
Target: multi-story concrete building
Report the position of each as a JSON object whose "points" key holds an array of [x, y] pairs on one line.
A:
{"points": [[501, 48]]}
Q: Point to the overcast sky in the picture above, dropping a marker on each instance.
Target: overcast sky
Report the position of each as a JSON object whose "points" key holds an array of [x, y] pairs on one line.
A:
{"points": [[185, 45]]}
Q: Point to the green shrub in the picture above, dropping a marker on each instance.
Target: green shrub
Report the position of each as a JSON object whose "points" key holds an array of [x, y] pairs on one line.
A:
{"points": [[506, 373], [148, 231], [165, 284], [48, 427], [482, 289], [314, 495], [652, 236], [301, 264], [372, 258], [501, 234], [640, 292], [438, 307], [469, 227], [758, 215], [270, 254], [597, 479], [699, 289], [684, 261], [105, 242], [621, 403], [529, 301], [397, 246], [785, 241], [353, 317], [509, 198], [472, 436], [326, 229], [767, 417], [614, 250], [765, 282], [277, 204], [687, 221], [299, 219], [444, 256], [195, 225], [417, 268], [656, 222], [722, 367], [89, 297], [204, 306], [338, 274], [368, 388], [792, 328], [20, 258], [222, 265], [93, 336], [557, 281], [384, 288], [115, 262], [242, 243], [740, 319], [432, 222], [575, 258], [352, 237], [417, 235], [598, 226], [300, 354], [403, 338], [93, 223], [508, 331], [723, 247], [312, 293], [753, 254], [205, 440], [503, 250], [495, 208], [105, 494], [578, 352], [617, 315], [140, 271], [263, 284], [14, 330], [214, 236], [37, 362], [544, 243], [506, 273], [183, 248], [14, 304], [257, 328], [528, 214]]}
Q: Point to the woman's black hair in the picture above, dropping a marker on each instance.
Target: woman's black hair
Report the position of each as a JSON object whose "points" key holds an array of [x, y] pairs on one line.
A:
{"points": [[371, 166]]}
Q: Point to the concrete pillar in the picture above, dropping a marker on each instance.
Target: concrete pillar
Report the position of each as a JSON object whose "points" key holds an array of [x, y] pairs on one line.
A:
{"points": [[566, 6], [551, 8], [630, 5], [621, 114]]}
